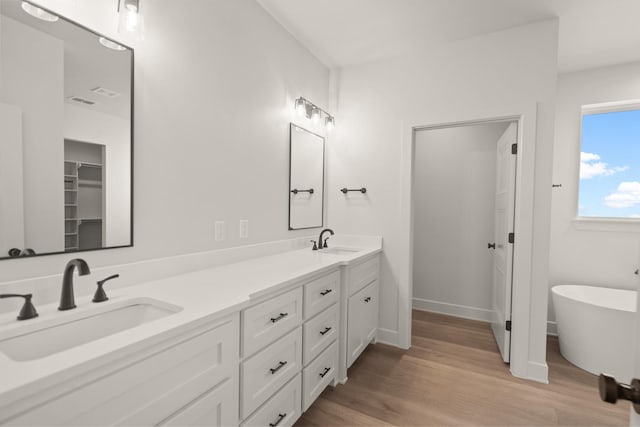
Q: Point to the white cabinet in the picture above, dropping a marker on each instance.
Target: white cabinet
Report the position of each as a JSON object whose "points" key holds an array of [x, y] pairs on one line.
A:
{"points": [[363, 320], [282, 410], [217, 407], [151, 386], [284, 371], [264, 373], [319, 374], [265, 322]]}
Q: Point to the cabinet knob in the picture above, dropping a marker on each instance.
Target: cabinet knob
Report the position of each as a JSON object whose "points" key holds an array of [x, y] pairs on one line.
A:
{"points": [[367, 299], [611, 390], [491, 245]]}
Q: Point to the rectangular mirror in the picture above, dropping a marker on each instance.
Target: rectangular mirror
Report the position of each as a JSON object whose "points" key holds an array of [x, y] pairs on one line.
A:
{"points": [[306, 179], [66, 102]]}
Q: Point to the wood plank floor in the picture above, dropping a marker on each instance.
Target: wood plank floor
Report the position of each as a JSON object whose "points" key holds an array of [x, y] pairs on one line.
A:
{"points": [[453, 375]]}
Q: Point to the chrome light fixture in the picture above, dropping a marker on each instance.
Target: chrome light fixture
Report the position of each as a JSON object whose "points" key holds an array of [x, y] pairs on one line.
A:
{"points": [[130, 21], [39, 13], [311, 111]]}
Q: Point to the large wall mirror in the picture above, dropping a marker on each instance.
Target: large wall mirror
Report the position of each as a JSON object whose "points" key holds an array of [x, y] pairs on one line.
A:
{"points": [[306, 179], [65, 135]]}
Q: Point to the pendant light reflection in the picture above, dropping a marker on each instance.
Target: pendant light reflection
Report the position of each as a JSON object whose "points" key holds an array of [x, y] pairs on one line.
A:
{"points": [[36, 12], [311, 111], [111, 44], [130, 20]]}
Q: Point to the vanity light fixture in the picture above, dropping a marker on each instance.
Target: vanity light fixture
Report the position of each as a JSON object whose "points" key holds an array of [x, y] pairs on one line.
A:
{"points": [[111, 44], [130, 21], [36, 12], [311, 111]]}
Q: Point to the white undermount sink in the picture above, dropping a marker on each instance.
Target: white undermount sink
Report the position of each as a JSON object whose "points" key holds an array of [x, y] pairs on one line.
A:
{"points": [[57, 334], [340, 250]]}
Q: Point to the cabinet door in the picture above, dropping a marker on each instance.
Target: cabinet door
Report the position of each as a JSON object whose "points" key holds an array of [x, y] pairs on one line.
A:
{"points": [[217, 407], [362, 323]]}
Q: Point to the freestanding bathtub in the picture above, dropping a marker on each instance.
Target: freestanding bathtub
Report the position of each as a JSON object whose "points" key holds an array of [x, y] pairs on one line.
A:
{"points": [[596, 328]]}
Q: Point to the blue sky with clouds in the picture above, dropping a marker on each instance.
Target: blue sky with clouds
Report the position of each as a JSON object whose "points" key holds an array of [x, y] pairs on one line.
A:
{"points": [[610, 165]]}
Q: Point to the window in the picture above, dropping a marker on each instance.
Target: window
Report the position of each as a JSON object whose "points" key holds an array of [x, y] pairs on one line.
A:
{"points": [[610, 161]]}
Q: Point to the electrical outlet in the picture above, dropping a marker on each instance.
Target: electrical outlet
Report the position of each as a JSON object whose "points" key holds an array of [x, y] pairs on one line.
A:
{"points": [[244, 228], [219, 230]]}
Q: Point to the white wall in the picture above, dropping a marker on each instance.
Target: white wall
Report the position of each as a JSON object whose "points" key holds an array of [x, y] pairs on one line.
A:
{"points": [[512, 67], [454, 198], [214, 91], [11, 200], [592, 256], [34, 83], [82, 124]]}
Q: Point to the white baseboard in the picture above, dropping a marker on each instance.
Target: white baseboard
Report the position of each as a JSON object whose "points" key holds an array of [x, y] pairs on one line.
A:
{"points": [[552, 328], [387, 336], [456, 310], [538, 372]]}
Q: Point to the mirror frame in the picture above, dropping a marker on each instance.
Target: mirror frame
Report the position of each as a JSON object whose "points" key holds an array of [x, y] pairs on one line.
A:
{"points": [[131, 128], [291, 127]]}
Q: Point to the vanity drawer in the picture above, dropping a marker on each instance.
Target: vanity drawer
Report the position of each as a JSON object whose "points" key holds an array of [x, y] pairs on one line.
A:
{"points": [[321, 293], [318, 375], [150, 389], [283, 409], [263, 374], [364, 273], [265, 322], [319, 332]]}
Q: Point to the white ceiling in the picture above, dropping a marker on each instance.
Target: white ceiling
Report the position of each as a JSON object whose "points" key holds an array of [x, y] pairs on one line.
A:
{"points": [[593, 33]]}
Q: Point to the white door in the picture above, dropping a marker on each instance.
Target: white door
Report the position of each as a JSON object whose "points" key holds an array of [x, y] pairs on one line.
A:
{"points": [[503, 250]]}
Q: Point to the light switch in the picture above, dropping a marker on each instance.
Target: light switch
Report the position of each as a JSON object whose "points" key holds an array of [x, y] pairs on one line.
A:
{"points": [[219, 230], [244, 228]]}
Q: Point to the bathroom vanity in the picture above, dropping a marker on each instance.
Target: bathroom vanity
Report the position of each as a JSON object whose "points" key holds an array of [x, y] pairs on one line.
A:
{"points": [[250, 343]]}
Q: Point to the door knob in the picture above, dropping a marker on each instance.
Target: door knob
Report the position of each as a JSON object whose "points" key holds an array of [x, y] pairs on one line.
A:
{"points": [[611, 391], [491, 246]]}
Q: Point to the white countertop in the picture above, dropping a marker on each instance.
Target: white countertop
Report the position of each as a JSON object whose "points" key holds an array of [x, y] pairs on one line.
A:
{"points": [[203, 295]]}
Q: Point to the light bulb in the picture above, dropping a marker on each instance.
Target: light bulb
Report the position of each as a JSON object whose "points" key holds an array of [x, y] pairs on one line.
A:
{"points": [[300, 107], [330, 122], [130, 21], [36, 12], [315, 115]]}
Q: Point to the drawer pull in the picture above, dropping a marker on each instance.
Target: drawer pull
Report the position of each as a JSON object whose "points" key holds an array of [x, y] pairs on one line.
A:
{"points": [[282, 316], [327, 329], [326, 371], [278, 421], [367, 299], [326, 291], [277, 368]]}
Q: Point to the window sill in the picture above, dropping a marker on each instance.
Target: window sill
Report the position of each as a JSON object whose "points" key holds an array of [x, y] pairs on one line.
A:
{"points": [[621, 225]]}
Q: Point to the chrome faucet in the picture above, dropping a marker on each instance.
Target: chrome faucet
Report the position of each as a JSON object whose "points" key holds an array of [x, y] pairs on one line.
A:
{"points": [[67, 300], [321, 243]]}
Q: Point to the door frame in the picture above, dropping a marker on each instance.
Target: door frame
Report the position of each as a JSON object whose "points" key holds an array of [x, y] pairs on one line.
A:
{"points": [[522, 304]]}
